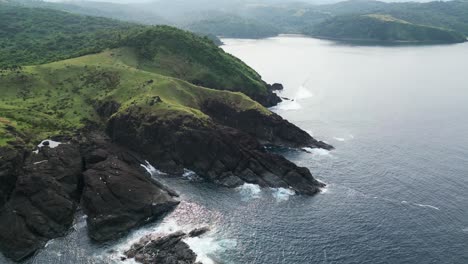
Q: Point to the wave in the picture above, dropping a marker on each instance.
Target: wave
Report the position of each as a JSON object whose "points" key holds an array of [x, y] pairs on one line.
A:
{"points": [[303, 93], [207, 246], [318, 152], [427, 206], [339, 139], [187, 217], [465, 230], [288, 105], [150, 169], [282, 194], [249, 191]]}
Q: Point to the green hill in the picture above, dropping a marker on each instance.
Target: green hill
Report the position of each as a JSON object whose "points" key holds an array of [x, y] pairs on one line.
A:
{"points": [[31, 36], [110, 61], [382, 28], [61, 97]]}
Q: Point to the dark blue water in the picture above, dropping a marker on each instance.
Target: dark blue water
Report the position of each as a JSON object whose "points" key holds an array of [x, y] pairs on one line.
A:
{"points": [[397, 181]]}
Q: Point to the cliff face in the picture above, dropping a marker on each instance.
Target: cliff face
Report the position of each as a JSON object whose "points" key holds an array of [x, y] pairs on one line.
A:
{"points": [[51, 182], [219, 153]]}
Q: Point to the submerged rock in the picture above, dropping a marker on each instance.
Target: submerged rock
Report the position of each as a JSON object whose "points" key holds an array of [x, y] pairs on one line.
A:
{"points": [[118, 197], [43, 202]]}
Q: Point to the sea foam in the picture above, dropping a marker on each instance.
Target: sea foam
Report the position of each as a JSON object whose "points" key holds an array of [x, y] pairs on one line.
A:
{"points": [[303, 93], [318, 152], [282, 194], [207, 246], [150, 168], [249, 191]]}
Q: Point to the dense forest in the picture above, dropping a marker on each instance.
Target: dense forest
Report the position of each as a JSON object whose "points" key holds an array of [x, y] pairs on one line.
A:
{"points": [[44, 35]]}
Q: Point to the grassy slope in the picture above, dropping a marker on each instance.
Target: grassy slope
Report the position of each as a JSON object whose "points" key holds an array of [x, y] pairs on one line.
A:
{"points": [[378, 27], [59, 98], [30, 36]]}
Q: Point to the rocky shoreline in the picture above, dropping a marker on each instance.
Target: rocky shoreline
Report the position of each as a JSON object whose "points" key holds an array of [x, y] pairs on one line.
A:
{"points": [[100, 171]]}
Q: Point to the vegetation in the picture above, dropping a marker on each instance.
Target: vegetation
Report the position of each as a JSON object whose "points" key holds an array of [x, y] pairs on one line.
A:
{"points": [[241, 18], [36, 35], [378, 27], [148, 68], [61, 97], [226, 25]]}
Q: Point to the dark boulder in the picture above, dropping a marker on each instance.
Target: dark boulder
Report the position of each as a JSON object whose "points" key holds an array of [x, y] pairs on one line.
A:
{"points": [[118, 197], [199, 231], [43, 202], [162, 250], [267, 99], [276, 87]]}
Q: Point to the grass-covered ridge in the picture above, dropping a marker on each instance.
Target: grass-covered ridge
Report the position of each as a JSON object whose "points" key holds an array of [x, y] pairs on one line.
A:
{"points": [[382, 27], [61, 97], [33, 36]]}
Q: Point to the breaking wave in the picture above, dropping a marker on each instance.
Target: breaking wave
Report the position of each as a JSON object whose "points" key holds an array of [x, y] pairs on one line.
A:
{"points": [[249, 191], [282, 194]]}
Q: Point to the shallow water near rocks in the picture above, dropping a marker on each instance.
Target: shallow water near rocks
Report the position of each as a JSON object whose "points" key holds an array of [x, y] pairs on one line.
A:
{"points": [[396, 183]]}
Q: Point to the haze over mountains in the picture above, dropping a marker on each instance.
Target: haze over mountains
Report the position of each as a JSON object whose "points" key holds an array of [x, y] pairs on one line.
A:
{"points": [[262, 18]]}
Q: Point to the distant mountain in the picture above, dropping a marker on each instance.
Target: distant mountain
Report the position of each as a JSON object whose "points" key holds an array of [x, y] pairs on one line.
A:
{"points": [[382, 28], [227, 25]]}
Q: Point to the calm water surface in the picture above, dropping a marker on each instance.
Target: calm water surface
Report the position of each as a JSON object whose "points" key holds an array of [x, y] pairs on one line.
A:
{"points": [[397, 181]]}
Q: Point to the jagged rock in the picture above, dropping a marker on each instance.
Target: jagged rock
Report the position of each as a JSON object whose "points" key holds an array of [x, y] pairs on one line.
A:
{"points": [[43, 202], [218, 153], [276, 87], [117, 197], [162, 250], [199, 231], [268, 99], [11, 162], [269, 129]]}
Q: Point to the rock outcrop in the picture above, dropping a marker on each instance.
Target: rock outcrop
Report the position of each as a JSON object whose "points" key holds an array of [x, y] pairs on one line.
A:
{"points": [[268, 129], [43, 202], [170, 249], [117, 198], [41, 192], [11, 162], [218, 153]]}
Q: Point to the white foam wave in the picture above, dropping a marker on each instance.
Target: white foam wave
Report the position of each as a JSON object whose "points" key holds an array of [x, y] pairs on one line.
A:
{"points": [[427, 206], [249, 191], [465, 230], [318, 152], [52, 144], [151, 169], [288, 105], [207, 246], [303, 93], [324, 189], [282, 194], [340, 139], [191, 175]]}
